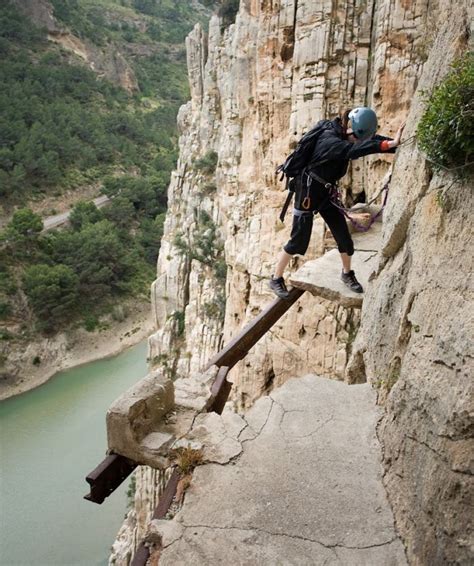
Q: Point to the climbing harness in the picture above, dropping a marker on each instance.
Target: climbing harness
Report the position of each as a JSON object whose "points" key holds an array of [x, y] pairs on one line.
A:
{"points": [[337, 202], [335, 199]]}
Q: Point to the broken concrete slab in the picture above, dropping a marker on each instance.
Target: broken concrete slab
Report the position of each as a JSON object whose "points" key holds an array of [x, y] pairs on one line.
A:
{"points": [[306, 488], [163, 531], [145, 421], [136, 426], [194, 392], [217, 435], [322, 277]]}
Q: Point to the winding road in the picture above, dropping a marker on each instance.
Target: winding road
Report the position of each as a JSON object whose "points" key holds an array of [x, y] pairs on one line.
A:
{"points": [[51, 222]]}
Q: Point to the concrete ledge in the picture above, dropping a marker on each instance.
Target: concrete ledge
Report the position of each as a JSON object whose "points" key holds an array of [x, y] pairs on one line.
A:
{"points": [[322, 277], [136, 426], [193, 393], [145, 421]]}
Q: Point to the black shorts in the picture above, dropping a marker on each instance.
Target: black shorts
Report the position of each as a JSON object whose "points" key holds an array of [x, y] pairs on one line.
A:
{"points": [[303, 225]]}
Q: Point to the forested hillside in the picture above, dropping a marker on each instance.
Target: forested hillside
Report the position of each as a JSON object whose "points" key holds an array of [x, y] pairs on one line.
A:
{"points": [[88, 99]]}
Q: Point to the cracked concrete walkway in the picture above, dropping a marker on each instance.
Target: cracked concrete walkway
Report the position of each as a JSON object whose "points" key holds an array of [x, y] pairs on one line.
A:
{"points": [[304, 487]]}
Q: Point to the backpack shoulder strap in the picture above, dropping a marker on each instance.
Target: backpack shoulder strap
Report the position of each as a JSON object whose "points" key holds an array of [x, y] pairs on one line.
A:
{"points": [[289, 196]]}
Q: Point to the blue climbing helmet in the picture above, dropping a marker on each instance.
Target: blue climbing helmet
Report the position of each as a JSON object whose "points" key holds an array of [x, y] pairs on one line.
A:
{"points": [[364, 122]]}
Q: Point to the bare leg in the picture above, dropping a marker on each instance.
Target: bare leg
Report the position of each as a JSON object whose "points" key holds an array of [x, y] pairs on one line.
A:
{"points": [[346, 262], [282, 262]]}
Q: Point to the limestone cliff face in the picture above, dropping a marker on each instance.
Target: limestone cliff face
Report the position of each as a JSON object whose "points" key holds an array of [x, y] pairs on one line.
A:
{"points": [[256, 87], [414, 339]]}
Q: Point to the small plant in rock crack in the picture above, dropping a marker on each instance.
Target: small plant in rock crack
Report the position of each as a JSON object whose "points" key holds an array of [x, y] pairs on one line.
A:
{"points": [[187, 458], [179, 318], [132, 487], [207, 163], [440, 199]]}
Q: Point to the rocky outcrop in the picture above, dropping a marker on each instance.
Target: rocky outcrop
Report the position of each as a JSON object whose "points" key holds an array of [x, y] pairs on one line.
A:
{"points": [[107, 61], [413, 341], [256, 87]]}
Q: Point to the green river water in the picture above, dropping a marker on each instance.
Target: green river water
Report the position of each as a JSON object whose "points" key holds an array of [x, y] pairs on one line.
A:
{"points": [[50, 438]]}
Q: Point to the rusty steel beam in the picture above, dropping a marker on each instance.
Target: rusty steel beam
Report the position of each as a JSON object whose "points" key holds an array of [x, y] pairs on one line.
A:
{"points": [[112, 471], [220, 391], [166, 498], [108, 475], [239, 346], [141, 556]]}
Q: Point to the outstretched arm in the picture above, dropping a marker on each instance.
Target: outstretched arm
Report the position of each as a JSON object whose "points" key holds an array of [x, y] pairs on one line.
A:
{"points": [[344, 149], [388, 144]]}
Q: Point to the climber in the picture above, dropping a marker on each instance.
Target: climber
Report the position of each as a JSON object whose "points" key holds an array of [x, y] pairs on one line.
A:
{"points": [[337, 142]]}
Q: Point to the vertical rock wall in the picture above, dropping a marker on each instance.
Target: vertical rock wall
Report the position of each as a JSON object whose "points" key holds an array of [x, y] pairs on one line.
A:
{"points": [[256, 87], [415, 340]]}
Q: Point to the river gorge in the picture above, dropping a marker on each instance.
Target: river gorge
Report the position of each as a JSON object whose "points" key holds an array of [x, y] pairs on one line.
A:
{"points": [[51, 438]]}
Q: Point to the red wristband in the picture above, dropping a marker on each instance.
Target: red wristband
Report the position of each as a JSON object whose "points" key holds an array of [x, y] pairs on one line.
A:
{"points": [[384, 145]]}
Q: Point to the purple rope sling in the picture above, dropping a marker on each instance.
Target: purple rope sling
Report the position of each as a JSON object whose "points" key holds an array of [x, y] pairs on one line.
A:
{"points": [[335, 198]]}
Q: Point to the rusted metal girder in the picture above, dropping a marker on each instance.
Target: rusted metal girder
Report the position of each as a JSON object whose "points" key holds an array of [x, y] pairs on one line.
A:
{"points": [[220, 391], [108, 475], [111, 472], [239, 346], [141, 556], [166, 499], [167, 496]]}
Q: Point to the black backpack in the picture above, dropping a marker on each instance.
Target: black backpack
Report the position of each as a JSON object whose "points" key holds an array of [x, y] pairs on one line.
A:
{"points": [[299, 160]]}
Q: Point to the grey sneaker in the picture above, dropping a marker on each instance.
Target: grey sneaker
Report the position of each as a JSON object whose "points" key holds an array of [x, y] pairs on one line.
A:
{"points": [[350, 280], [278, 287]]}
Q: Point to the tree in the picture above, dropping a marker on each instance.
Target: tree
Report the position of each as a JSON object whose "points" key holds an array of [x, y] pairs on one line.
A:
{"points": [[101, 260], [121, 212], [52, 292], [84, 213], [25, 222], [23, 231], [151, 232]]}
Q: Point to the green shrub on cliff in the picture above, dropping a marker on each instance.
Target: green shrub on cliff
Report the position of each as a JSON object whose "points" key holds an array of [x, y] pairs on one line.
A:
{"points": [[207, 163], [22, 234], [445, 130], [84, 213]]}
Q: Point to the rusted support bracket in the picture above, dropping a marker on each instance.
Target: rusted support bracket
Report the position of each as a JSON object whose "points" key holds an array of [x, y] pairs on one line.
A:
{"points": [[220, 391], [167, 496], [141, 556], [166, 499], [108, 475], [238, 348]]}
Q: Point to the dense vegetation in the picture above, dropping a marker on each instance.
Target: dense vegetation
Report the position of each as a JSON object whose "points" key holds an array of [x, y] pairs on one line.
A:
{"points": [[62, 127], [80, 272], [445, 130]]}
